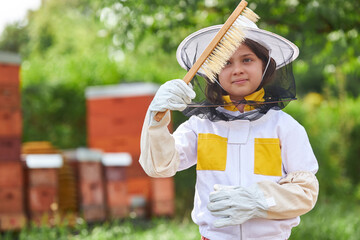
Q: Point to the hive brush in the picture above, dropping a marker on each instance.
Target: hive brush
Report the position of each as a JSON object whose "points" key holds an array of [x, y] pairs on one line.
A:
{"points": [[221, 48]]}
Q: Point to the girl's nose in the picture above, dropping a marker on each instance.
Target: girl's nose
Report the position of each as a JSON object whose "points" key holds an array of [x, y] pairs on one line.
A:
{"points": [[238, 69]]}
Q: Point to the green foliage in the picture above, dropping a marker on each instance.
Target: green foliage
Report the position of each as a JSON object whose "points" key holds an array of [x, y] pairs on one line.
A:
{"points": [[66, 47], [161, 229], [14, 38], [325, 31], [333, 129], [184, 192], [112, 31], [331, 219], [53, 113]]}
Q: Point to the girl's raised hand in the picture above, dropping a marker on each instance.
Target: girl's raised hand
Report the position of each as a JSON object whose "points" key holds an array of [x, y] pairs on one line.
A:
{"points": [[172, 95]]}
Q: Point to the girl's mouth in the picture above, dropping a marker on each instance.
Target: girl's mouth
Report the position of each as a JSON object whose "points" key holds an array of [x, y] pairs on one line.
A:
{"points": [[239, 81]]}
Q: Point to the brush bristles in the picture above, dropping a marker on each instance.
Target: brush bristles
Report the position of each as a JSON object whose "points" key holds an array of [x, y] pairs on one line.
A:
{"points": [[233, 38], [249, 14], [222, 52]]}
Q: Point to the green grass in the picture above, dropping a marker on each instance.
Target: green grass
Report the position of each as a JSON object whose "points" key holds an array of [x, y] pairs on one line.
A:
{"points": [[333, 220], [156, 229], [330, 220]]}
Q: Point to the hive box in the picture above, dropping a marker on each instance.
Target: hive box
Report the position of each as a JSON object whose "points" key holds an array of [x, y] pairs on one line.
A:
{"points": [[11, 187], [162, 197], [42, 171], [90, 184], [10, 122], [115, 115], [115, 181], [12, 209], [10, 107], [9, 68]]}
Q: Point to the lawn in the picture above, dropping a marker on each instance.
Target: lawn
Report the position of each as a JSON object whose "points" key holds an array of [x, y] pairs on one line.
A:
{"points": [[330, 220]]}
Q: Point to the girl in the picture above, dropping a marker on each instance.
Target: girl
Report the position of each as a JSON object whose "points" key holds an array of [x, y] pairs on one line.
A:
{"points": [[255, 166]]}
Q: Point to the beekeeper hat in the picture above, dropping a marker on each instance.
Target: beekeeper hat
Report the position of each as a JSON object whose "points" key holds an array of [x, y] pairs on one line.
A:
{"points": [[280, 49]]}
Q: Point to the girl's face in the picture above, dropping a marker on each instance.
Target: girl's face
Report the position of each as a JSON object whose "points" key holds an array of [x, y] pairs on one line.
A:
{"points": [[242, 74]]}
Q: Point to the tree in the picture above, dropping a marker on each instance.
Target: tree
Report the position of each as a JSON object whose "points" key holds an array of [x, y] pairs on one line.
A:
{"points": [[325, 31], [13, 38]]}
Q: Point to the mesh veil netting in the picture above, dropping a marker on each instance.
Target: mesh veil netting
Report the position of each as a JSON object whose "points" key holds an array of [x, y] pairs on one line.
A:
{"points": [[279, 88]]}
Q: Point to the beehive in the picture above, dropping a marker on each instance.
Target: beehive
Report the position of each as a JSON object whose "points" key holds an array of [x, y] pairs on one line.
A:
{"points": [[90, 182], [51, 186], [12, 210], [10, 107], [162, 202], [115, 116], [115, 181]]}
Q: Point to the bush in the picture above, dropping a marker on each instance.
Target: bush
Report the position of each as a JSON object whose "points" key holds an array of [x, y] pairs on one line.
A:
{"points": [[333, 127], [54, 113]]}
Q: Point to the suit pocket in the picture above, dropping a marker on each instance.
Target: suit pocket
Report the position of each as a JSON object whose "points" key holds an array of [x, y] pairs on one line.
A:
{"points": [[211, 152], [267, 157]]}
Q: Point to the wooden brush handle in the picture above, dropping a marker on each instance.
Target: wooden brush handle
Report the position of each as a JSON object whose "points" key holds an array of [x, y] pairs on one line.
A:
{"points": [[223, 30], [212, 45], [160, 116]]}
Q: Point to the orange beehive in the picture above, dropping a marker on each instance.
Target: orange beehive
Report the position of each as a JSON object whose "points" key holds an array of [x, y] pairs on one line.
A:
{"points": [[9, 81], [12, 210], [90, 179], [11, 174], [115, 115], [10, 108], [115, 181], [11, 188], [10, 96], [10, 148], [162, 202], [9, 67], [11, 122], [43, 162]]}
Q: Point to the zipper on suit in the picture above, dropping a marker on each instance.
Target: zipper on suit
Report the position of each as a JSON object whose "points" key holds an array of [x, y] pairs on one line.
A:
{"points": [[240, 181]]}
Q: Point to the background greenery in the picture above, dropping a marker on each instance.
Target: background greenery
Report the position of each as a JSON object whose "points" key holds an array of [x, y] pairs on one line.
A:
{"points": [[68, 45], [330, 220]]}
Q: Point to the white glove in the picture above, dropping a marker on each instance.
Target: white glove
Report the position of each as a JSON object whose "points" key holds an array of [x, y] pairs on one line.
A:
{"points": [[235, 205], [172, 95]]}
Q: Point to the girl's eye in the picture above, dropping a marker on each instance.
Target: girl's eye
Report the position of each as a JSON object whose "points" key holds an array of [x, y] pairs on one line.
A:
{"points": [[227, 63], [246, 60]]}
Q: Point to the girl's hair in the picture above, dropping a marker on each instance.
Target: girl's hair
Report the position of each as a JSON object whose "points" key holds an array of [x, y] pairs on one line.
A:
{"points": [[214, 92]]}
